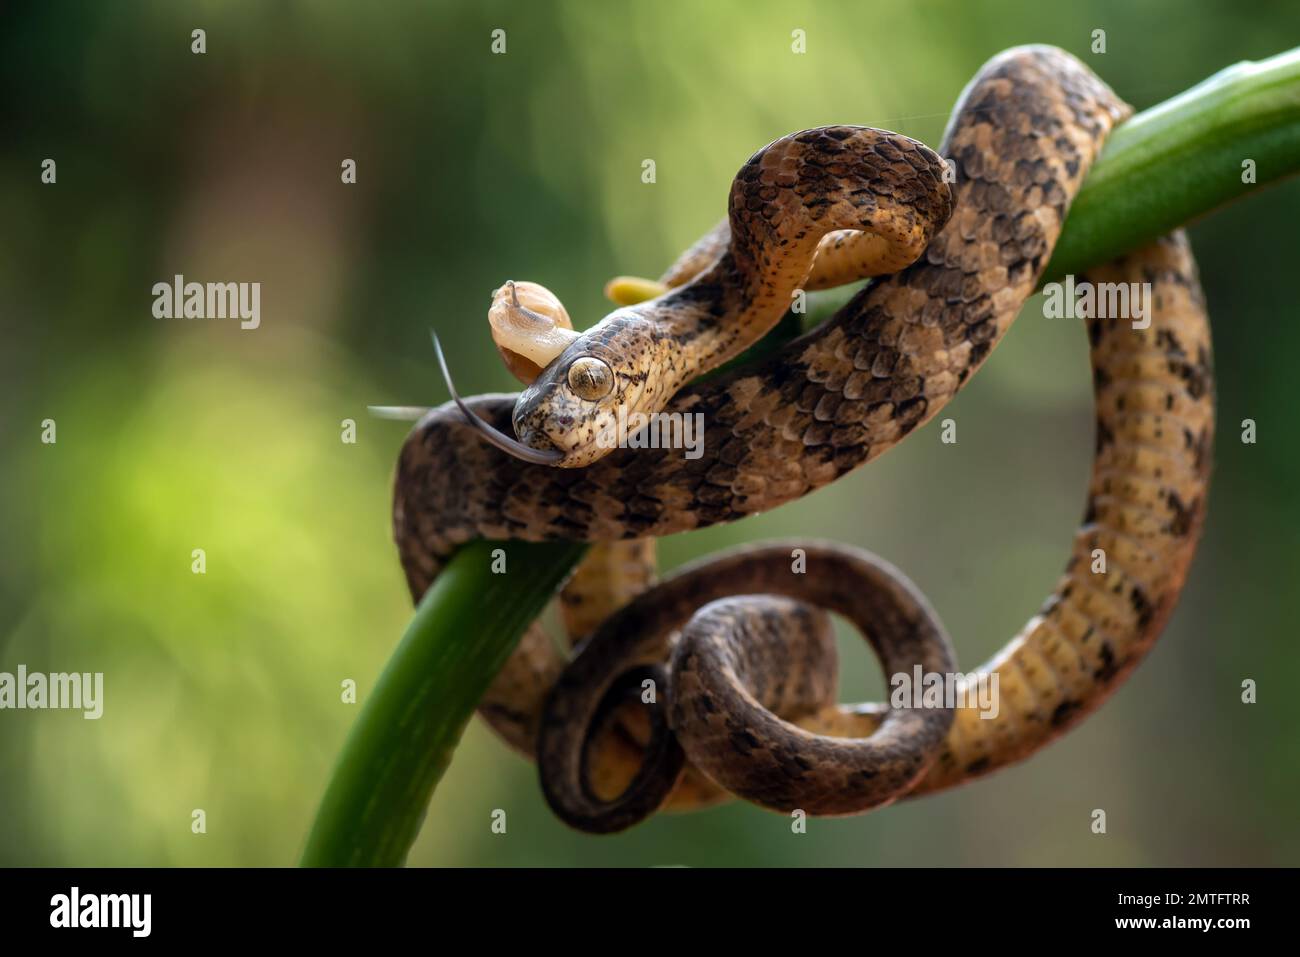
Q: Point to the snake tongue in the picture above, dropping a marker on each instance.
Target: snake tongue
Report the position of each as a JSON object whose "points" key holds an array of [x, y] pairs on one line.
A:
{"points": [[493, 435]]}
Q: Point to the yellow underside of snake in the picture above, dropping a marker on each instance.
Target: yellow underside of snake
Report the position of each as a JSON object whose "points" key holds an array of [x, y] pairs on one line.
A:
{"points": [[721, 679]]}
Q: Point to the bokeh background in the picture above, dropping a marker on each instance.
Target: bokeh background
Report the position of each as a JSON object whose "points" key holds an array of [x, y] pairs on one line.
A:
{"points": [[222, 690]]}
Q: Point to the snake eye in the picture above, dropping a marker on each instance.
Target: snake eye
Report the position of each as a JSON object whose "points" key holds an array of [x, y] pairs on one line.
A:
{"points": [[590, 379]]}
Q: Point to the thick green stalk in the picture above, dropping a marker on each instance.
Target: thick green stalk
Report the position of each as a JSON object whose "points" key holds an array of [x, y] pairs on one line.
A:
{"points": [[1183, 158], [463, 631], [1162, 168]]}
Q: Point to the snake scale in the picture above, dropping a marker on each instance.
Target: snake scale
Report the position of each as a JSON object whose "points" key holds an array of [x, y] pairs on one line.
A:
{"points": [[737, 649]]}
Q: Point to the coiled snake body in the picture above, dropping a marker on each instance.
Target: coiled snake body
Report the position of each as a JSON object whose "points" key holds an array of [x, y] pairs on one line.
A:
{"points": [[739, 647]]}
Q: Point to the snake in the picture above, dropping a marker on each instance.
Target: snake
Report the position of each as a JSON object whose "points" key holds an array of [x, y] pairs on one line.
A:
{"points": [[720, 680]]}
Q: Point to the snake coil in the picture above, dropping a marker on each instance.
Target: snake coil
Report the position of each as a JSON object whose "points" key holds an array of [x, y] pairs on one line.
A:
{"points": [[721, 679]]}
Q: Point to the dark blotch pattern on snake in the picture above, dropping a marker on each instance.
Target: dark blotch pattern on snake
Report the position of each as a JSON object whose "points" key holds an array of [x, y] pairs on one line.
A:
{"points": [[746, 683]]}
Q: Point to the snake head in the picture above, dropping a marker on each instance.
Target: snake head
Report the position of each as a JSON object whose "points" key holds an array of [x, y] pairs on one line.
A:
{"points": [[580, 401], [532, 330], [569, 416]]}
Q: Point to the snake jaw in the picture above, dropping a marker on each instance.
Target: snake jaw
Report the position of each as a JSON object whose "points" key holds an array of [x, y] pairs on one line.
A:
{"points": [[493, 435]]}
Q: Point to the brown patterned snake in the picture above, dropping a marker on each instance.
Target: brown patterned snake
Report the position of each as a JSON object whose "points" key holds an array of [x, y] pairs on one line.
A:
{"points": [[737, 648]]}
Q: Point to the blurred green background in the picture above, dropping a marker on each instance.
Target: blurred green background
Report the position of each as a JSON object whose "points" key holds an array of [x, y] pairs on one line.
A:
{"points": [[222, 690]]}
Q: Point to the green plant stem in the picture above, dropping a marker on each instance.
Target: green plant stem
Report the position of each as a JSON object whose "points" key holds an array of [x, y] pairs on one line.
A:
{"points": [[463, 631], [1162, 168], [1183, 158]]}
